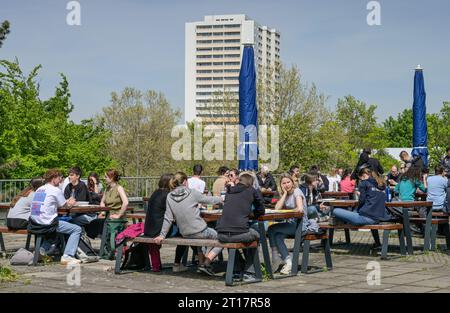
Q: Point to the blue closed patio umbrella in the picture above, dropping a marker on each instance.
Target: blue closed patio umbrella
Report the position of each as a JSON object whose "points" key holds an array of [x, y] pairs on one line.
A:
{"points": [[248, 112], [420, 129]]}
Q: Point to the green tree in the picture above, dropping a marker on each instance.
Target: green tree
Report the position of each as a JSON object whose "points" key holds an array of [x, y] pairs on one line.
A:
{"points": [[140, 124], [36, 134], [4, 30]]}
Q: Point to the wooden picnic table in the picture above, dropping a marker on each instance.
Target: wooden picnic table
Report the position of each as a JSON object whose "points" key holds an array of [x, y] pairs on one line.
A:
{"points": [[407, 206], [4, 206], [210, 217], [337, 194]]}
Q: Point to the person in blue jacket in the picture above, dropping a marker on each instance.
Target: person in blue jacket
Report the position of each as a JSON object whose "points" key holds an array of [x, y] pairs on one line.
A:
{"points": [[371, 209]]}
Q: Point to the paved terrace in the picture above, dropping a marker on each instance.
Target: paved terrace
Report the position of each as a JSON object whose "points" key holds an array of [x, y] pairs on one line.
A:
{"points": [[421, 273]]}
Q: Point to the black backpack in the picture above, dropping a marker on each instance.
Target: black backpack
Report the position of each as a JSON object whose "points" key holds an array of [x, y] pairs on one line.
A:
{"points": [[135, 257]]}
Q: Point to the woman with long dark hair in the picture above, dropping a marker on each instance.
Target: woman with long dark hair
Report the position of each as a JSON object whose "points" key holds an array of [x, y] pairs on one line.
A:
{"points": [[20, 210]]}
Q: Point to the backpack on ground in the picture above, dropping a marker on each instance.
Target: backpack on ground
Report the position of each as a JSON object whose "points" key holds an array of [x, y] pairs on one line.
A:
{"points": [[85, 252], [135, 257]]}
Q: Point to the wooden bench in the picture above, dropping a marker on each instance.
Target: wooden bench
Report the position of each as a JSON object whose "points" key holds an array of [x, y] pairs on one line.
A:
{"points": [[232, 247], [140, 217], [386, 228], [435, 222], [6, 230], [306, 246]]}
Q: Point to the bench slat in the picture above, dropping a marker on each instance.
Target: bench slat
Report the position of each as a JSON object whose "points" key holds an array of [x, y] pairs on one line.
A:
{"points": [[378, 226], [6, 230], [198, 243]]}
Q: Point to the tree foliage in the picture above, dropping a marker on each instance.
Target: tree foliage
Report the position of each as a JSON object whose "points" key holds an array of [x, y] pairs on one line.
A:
{"points": [[4, 30], [36, 134]]}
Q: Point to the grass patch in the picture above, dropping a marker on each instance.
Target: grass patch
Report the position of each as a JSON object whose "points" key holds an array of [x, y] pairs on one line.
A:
{"points": [[265, 274], [7, 274]]}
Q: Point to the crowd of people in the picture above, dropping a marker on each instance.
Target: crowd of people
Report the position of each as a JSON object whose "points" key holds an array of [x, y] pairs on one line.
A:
{"points": [[174, 209]]}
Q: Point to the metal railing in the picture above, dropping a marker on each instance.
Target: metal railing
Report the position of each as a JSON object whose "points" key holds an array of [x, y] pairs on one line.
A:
{"points": [[135, 186]]}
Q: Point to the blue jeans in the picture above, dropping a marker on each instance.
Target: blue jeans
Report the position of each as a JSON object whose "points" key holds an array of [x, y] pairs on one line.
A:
{"points": [[353, 217], [208, 233], [83, 219], [72, 243], [278, 232]]}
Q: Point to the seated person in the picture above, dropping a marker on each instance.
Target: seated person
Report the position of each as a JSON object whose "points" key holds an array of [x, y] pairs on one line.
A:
{"points": [[324, 184], [233, 225], [437, 188], [265, 180], [347, 184], [393, 176], [78, 190], [371, 209], [333, 180], [182, 207], [310, 190], [409, 182], [291, 198], [95, 188], [221, 181], [154, 220], [20, 211], [44, 213], [195, 182]]}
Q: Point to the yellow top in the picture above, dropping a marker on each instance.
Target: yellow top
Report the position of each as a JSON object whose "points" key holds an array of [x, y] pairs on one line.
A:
{"points": [[112, 197]]}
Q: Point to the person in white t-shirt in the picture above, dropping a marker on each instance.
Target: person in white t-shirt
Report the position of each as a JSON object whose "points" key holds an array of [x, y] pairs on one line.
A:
{"points": [[44, 211], [334, 180], [195, 182]]}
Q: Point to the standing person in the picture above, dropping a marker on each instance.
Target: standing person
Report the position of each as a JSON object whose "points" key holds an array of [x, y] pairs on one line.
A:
{"points": [[347, 184], [409, 182], [411, 161], [445, 162], [95, 188], [20, 211], [291, 198], [374, 164], [155, 217], [233, 225], [195, 182], [116, 199], [182, 207], [437, 188], [393, 176], [371, 209], [294, 170], [220, 182], [333, 180], [266, 180], [44, 214]]}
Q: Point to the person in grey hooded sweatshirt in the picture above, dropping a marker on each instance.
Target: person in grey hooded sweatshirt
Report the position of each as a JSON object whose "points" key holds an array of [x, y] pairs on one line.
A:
{"points": [[182, 207]]}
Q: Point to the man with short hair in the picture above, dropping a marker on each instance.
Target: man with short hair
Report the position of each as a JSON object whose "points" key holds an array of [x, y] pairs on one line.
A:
{"points": [[445, 162], [78, 190], [44, 214], [411, 161], [393, 176], [437, 188], [195, 182]]}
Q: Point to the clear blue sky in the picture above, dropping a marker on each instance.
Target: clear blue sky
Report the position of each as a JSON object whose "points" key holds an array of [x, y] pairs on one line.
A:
{"points": [[141, 44]]}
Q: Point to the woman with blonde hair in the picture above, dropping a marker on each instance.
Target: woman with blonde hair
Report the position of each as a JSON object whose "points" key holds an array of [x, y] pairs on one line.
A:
{"points": [[290, 198]]}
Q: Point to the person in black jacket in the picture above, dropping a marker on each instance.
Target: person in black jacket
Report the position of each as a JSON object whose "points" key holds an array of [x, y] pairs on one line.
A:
{"points": [[154, 220], [266, 180], [324, 183], [373, 164], [241, 201], [79, 191], [311, 193]]}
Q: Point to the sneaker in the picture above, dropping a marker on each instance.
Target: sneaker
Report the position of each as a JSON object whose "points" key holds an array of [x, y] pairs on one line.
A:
{"points": [[248, 278], [276, 263], [207, 269], [67, 259], [179, 268], [286, 270]]}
